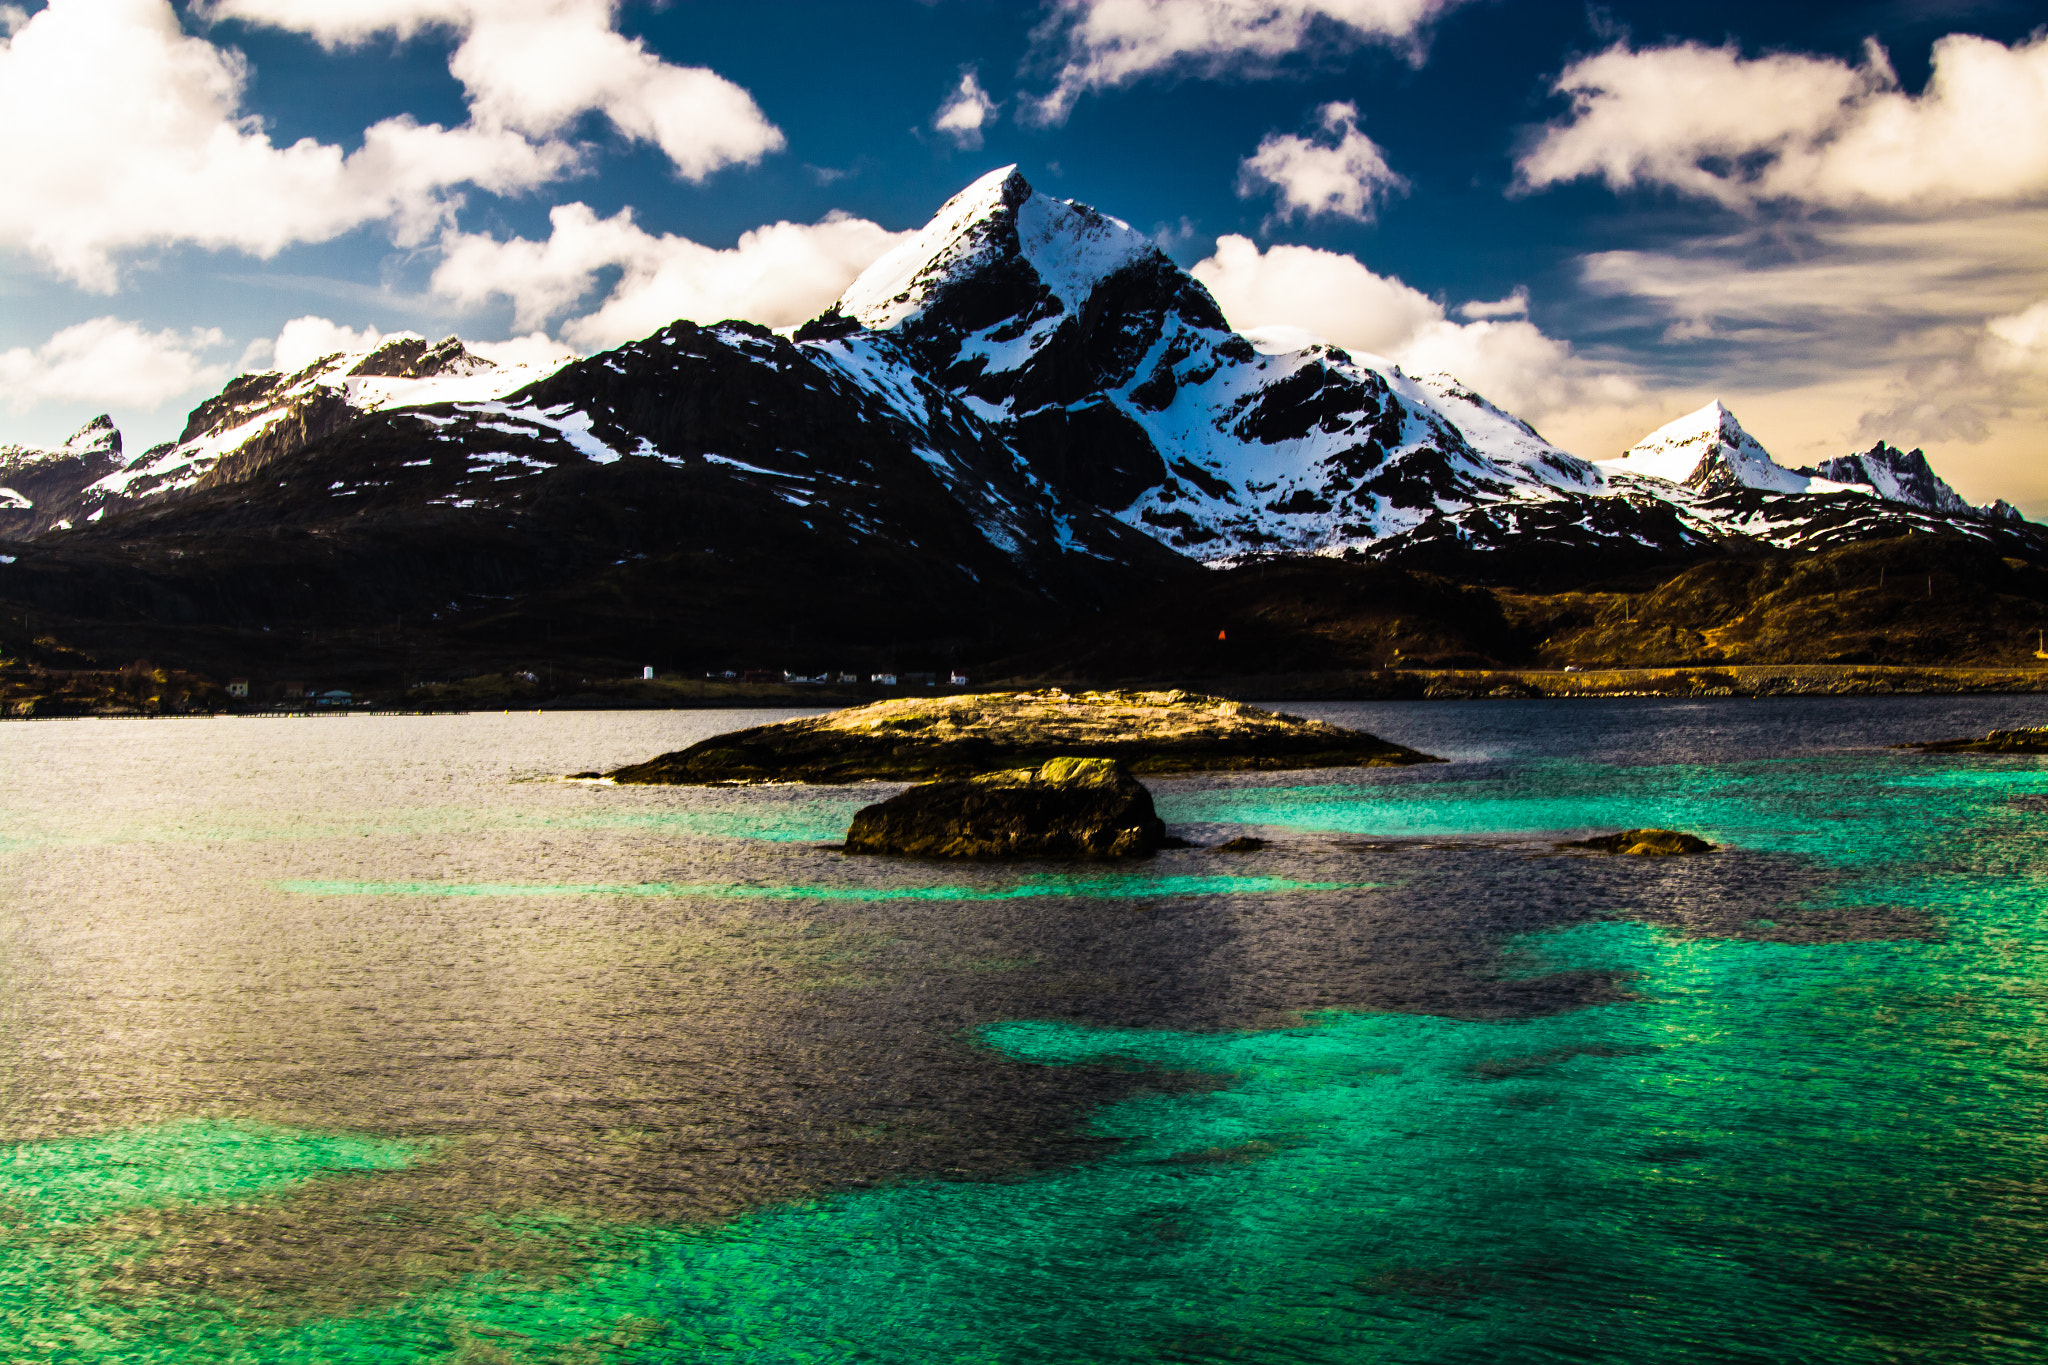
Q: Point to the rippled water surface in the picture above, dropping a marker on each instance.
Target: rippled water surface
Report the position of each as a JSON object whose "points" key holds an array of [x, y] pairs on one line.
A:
{"points": [[368, 1040]]}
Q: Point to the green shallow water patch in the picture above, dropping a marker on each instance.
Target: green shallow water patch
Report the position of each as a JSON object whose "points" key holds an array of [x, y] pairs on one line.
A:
{"points": [[1743, 1170], [1108, 888], [59, 1199], [89, 1177], [1842, 809]]}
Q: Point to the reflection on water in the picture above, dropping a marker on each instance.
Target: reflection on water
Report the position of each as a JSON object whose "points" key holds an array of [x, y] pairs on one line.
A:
{"points": [[1096, 888], [363, 1039]]}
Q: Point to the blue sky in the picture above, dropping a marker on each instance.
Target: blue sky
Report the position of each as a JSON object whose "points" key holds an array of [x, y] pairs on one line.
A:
{"points": [[1833, 217]]}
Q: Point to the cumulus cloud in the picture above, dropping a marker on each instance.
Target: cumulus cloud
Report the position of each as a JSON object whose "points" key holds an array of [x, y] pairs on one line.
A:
{"points": [[1515, 305], [107, 362], [1331, 294], [304, 340], [962, 117], [779, 274], [535, 349], [1803, 129], [536, 66], [1909, 331], [1512, 362], [138, 140], [1103, 44], [1344, 177]]}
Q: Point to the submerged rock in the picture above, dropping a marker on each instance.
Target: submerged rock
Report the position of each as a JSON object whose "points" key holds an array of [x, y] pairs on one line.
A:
{"points": [[1065, 808], [1644, 843], [2031, 740], [924, 738]]}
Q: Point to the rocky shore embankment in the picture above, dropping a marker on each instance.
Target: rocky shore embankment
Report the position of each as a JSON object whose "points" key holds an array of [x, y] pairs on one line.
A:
{"points": [[1736, 680]]}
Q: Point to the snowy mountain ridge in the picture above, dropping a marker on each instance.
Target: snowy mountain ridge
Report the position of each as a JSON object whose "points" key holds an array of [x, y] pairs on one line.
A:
{"points": [[1115, 374], [1053, 370], [1708, 452], [266, 416], [41, 490]]}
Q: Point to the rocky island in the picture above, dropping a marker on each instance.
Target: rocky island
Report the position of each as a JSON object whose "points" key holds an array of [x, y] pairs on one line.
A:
{"points": [[1642, 843], [2031, 740], [1066, 808], [931, 739]]}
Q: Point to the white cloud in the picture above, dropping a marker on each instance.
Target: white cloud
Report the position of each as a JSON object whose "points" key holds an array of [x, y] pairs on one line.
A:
{"points": [[107, 362], [126, 133], [1914, 332], [1834, 296], [1512, 362], [1515, 305], [779, 274], [536, 66], [1330, 294], [1345, 178], [12, 17], [1802, 129], [304, 340], [1108, 43], [965, 112], [2019, 341], [536, 349], [1996, 374]]}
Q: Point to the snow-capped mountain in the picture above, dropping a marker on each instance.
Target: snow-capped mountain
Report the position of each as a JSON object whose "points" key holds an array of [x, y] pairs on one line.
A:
{"points": [[1906, 477], [1719, 481], [1024, 408], [261, 418], [41, 490], [750, 491], [1709, 452], [1115, 375]]}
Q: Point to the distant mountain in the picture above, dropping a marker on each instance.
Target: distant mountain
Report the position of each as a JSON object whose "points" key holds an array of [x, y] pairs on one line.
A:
{"points": [[1114, 374], [720, 495], [1023, 412], [260, 419], [1709, 452], [1905, 476], [44, 490]]}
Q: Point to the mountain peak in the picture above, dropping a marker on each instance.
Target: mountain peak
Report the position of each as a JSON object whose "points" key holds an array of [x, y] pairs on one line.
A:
{"points": [[1708, 450], [97, 437], [1897, 476], [999, 225]]}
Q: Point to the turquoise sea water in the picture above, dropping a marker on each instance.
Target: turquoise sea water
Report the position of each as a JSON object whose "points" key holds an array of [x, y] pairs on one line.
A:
{"points": [[444, 1066]]}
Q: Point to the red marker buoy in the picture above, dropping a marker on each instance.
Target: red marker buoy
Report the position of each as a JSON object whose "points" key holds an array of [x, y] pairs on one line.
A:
{"points": [[1219, 634]]}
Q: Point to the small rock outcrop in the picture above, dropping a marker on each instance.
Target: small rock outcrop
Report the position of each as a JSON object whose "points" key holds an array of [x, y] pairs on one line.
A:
{"points": [[921, 739], [1065, 808], [1643, 843], [2032, 740]]}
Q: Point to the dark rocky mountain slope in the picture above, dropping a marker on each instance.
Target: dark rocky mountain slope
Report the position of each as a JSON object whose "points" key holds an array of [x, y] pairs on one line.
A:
{"points": [[1903, 600], [1023, 416], [45, 490], [703, 496]]}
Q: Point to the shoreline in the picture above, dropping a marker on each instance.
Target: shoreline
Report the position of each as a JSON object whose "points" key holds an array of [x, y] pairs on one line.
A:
{"points": [[1748, 681], [1678, 681]]}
